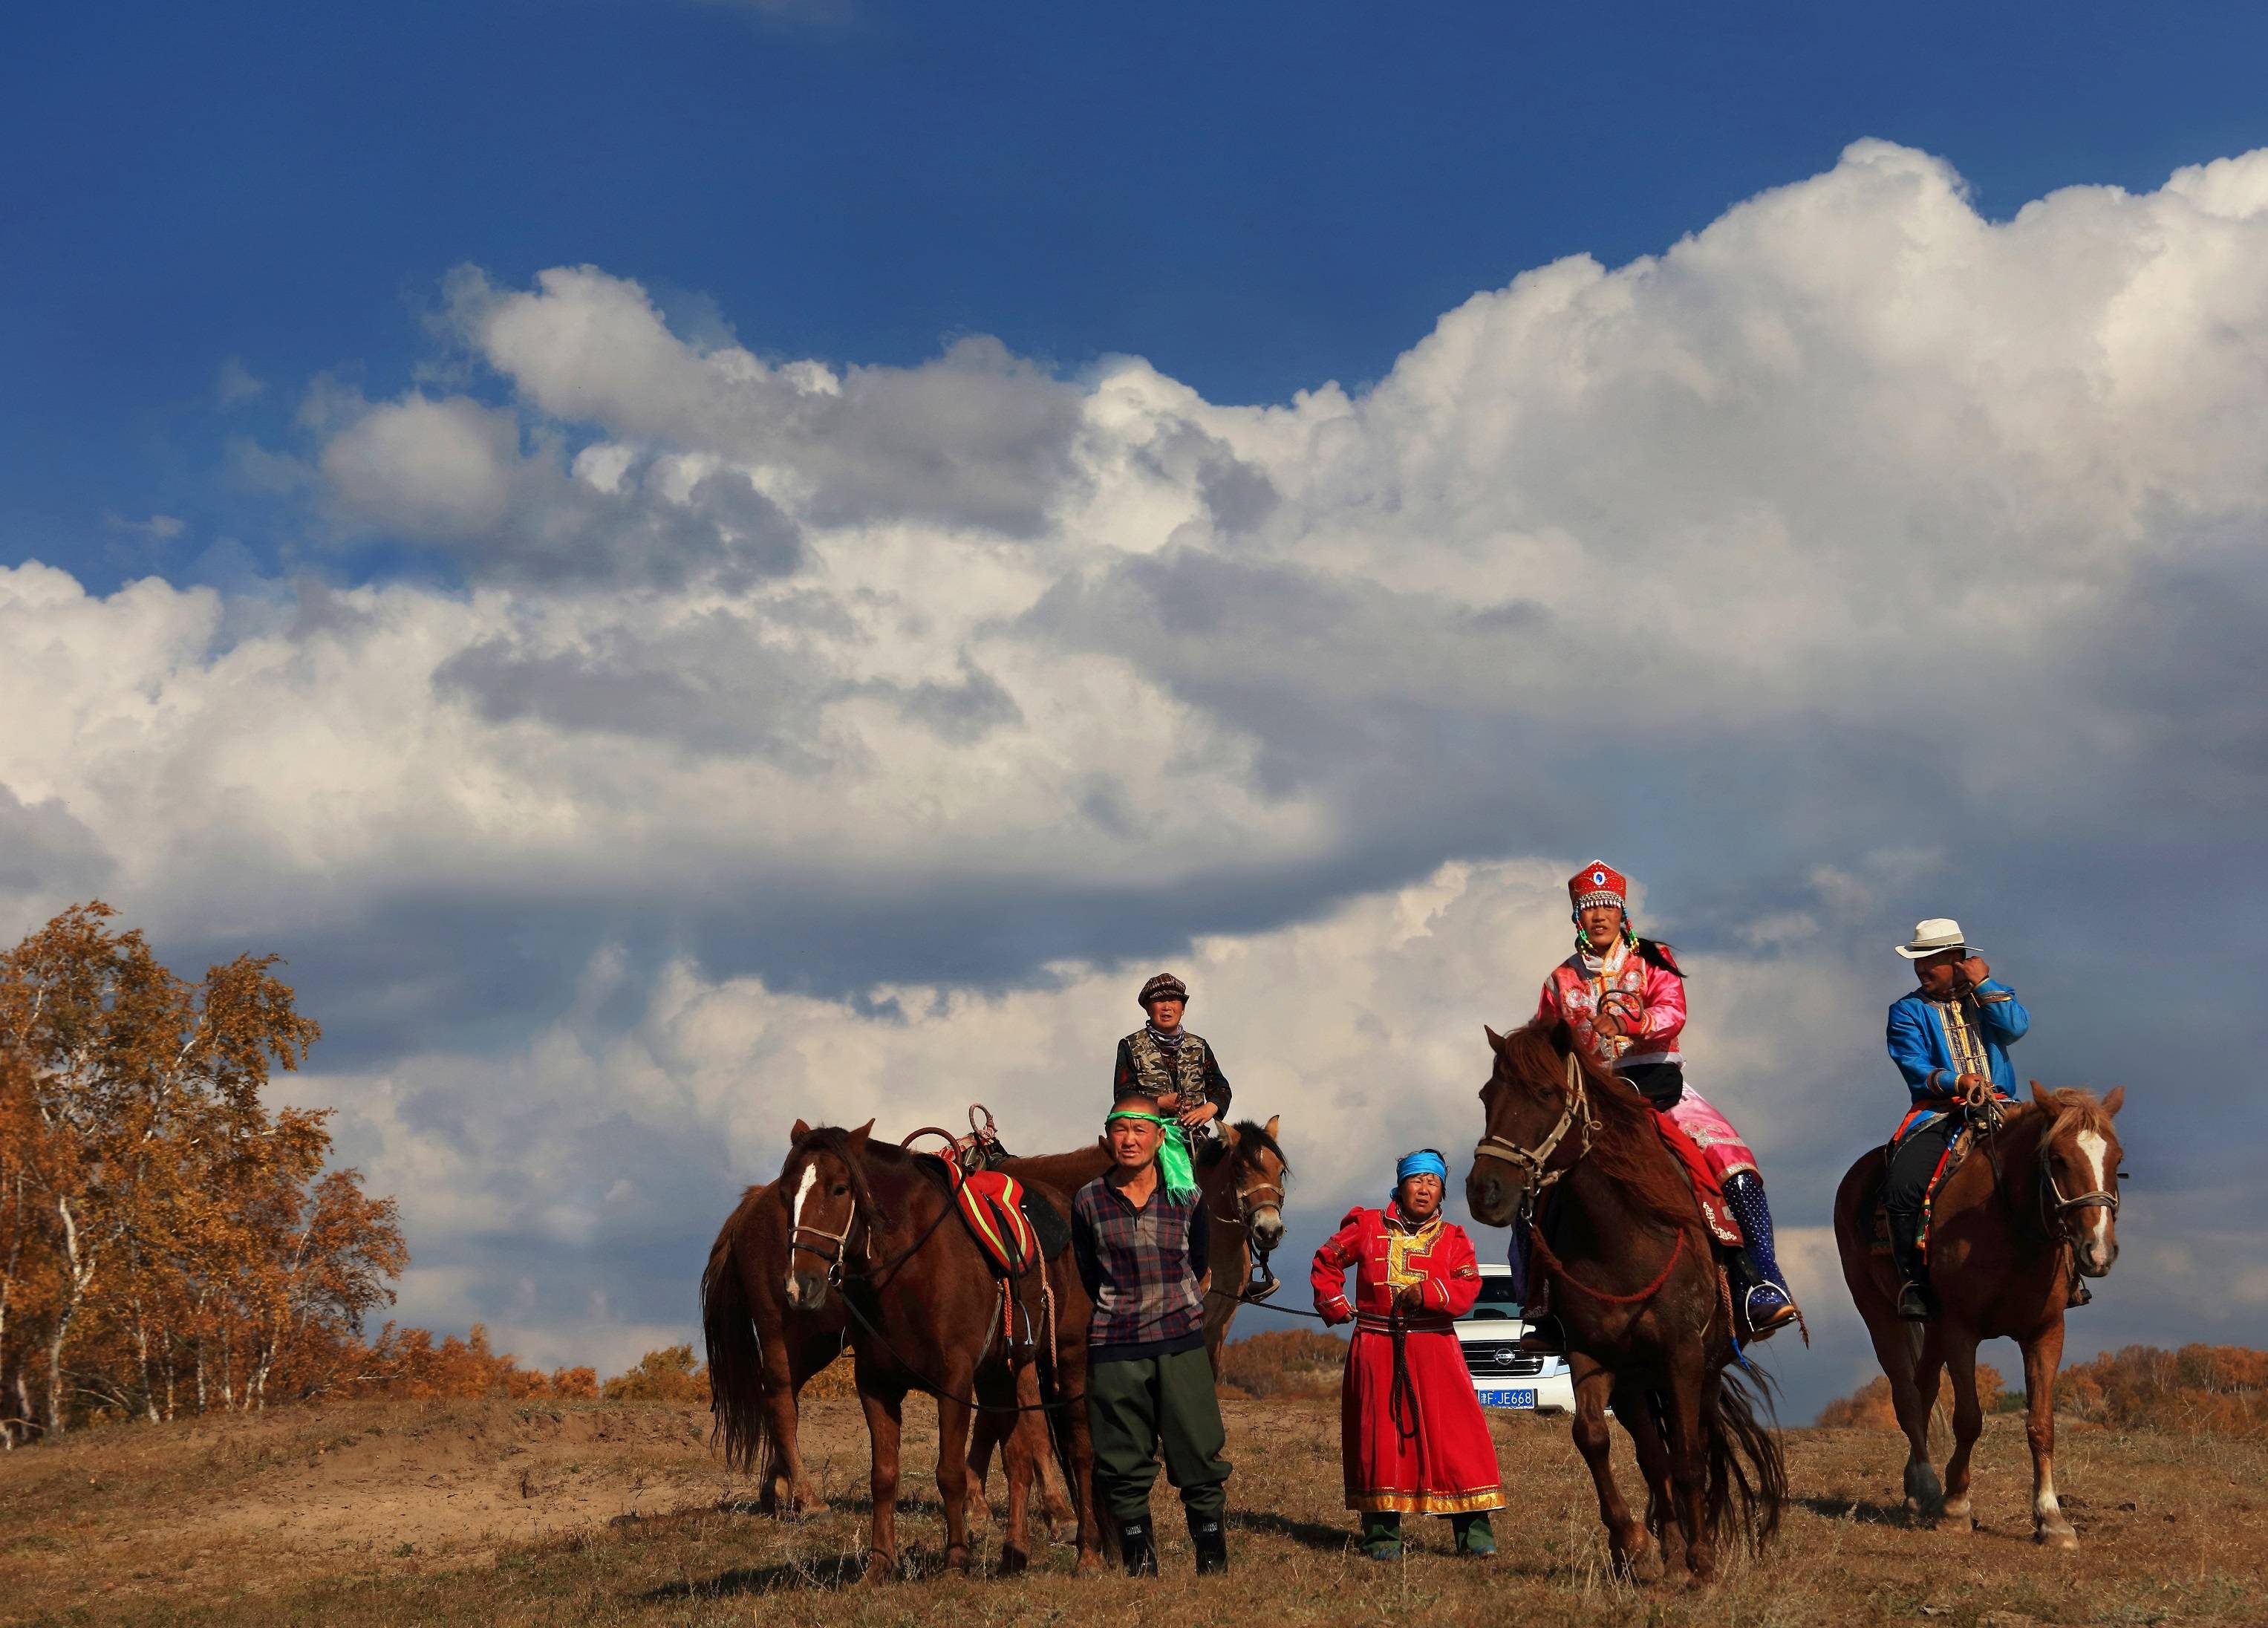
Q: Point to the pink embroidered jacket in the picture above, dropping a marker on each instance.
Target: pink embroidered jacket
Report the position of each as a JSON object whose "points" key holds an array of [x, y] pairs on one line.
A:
{"points": [[1628, 983]]}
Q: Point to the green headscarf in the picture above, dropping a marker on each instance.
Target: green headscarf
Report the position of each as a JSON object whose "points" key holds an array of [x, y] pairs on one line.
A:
{"points": [[1176, 1169]]}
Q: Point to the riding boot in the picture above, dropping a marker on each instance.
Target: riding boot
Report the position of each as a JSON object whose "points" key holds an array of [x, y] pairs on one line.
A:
{"points": [[1542, 1332], [1135, 1550], [1209, 1536], [1474, 1534], [1916, 1303], [1382, 1535], [1767, 1307]]}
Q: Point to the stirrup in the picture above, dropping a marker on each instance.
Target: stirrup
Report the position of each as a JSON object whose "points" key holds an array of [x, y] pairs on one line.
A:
{"points": [[1916, 1303], [1258, 1288], [2080, 1295], [1774, 1318]]}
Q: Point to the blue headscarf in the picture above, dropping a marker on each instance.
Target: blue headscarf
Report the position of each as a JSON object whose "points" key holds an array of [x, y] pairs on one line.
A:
{"points": [[1425, 1161]]}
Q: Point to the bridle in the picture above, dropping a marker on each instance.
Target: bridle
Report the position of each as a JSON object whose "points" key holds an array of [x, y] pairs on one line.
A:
{"points": [[2055, 1209], [837, 1243], [1264, 1277], [1535, 1162]]}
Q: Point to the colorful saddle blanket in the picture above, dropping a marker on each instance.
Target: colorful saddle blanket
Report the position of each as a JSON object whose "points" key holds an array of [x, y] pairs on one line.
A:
{"points": [[1714, 1210], [992, 1203]]}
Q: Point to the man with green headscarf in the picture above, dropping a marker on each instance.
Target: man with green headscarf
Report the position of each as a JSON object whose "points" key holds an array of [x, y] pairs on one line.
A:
{"points": [[1141, 1234]]}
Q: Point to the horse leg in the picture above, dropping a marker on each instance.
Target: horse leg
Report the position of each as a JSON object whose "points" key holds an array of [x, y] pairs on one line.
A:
{"points": [[1636, 1409], [1626, 1539], [1898, 1347], [884, 1423], [785, 1402], [952, 1419], [1072, 1382], [991, 1431], [2042, 1355], [1968, 1421], [1689, 1461], [1016, 1454]]}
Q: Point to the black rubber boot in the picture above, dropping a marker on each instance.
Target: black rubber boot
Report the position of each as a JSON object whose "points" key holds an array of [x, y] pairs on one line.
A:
{"points": [[1916, 1303], [1135, 1549], [1209, 1536]]}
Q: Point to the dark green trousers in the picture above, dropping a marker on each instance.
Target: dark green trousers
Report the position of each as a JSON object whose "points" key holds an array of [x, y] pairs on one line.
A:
{"points": [[1136, 1406]]}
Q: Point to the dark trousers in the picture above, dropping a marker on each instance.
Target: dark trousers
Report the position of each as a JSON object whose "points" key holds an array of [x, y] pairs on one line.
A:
{"points": [[1913, 1163], [1136, 1406]]}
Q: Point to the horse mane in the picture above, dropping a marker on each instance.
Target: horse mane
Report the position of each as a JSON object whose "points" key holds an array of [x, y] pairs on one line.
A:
{"points": [[1628, 1148], [2074, 1110], [1250, 1136]]}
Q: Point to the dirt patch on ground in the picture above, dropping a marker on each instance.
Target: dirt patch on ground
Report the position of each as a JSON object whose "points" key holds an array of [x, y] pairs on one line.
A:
{"points": [[497, 1512]]}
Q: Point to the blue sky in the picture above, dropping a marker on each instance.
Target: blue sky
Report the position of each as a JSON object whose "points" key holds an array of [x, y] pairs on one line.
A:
{"points": [[1255, 198], [692, 564]]}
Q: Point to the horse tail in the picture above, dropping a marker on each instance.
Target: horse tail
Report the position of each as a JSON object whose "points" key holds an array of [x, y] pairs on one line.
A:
{"points": [[736, 1362], [1747, 1473]]}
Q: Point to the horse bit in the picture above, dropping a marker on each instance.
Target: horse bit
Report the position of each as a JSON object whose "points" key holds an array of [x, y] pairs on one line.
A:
{"points": [[1532, 1161], [1263, 1281]]}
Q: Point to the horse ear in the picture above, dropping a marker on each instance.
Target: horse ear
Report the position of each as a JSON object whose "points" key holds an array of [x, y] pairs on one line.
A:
{"points": [[858, 1137], [798, 1132], [1270, 1126], [2116, 1100], [2040, 1095], [1229, 1137], [1496, 1041]]}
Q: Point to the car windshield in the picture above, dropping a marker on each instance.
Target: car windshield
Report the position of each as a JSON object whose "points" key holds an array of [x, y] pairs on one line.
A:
{"points": [[1496, 1299]]}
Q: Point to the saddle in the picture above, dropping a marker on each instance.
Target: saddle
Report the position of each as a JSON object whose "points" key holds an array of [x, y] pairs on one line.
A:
{"points": [[1015, 1227], [1714, 1211], [1956, 1151]]}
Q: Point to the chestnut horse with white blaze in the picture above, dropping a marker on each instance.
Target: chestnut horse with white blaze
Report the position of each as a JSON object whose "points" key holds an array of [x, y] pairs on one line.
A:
{"points": [[2033, 1202], [1634, 1283], [879, 1229], [761, 1352]]}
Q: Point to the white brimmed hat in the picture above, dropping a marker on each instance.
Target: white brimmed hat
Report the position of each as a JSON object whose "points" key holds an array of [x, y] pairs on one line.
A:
{"points": [[1934, 937]]}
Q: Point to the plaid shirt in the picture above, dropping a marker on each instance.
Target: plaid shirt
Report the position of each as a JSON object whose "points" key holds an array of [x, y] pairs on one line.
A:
{"points": [[1141, 1268]]}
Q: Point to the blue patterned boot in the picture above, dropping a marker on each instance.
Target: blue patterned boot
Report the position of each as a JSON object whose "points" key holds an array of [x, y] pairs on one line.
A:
{"points": [[1769, 1307]]}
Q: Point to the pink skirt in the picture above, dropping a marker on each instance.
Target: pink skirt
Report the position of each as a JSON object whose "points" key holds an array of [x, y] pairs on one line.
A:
{"points": [[1721, 1146]]}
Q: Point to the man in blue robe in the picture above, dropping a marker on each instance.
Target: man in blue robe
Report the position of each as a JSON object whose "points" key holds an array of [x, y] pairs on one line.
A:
{"points": [[1950, 1039]]}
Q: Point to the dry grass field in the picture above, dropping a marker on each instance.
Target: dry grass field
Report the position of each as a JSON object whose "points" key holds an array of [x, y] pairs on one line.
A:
{"points": [[494, 1512]]}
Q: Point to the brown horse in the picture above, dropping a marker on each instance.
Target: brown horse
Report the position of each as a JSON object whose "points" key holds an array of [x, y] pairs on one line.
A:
{"points": [[761, 1350], [1635, 1286], [876, 1227], [2035, 1198], [1243, 1179]]}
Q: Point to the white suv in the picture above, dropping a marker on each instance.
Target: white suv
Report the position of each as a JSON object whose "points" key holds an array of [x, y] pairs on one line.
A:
{"points": [[1503, 1375]]}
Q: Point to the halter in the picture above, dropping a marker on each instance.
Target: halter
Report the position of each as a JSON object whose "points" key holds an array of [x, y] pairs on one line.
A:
{"points": [[1532, 1162], [837, 1242], [2055, 1209]]}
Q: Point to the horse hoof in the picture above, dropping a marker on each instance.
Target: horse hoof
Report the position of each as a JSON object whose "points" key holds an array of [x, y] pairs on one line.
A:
{"points": [[2057, 1537], [879, 1569], [1013, 1561], [956, 1561]]}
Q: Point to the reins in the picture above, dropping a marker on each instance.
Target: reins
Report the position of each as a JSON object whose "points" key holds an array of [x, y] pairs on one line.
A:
{"points": [[1534, 1162]]}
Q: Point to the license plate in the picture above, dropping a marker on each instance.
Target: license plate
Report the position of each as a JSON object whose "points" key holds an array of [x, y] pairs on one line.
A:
{"points": [[1525, 1398]]}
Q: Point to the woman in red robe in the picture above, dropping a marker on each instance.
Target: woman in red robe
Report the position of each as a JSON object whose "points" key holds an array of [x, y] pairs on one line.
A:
{"points": [[1411, 1436]]}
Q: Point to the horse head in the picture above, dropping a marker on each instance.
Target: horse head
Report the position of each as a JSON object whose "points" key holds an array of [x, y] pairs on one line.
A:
{"points": [[822, 1181], [2079, 1174], [1257, 1176], [1532, 1099]]}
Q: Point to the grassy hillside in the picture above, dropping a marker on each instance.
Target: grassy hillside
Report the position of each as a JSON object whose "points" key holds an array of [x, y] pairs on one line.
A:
{"points": [[454, 1512]]}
